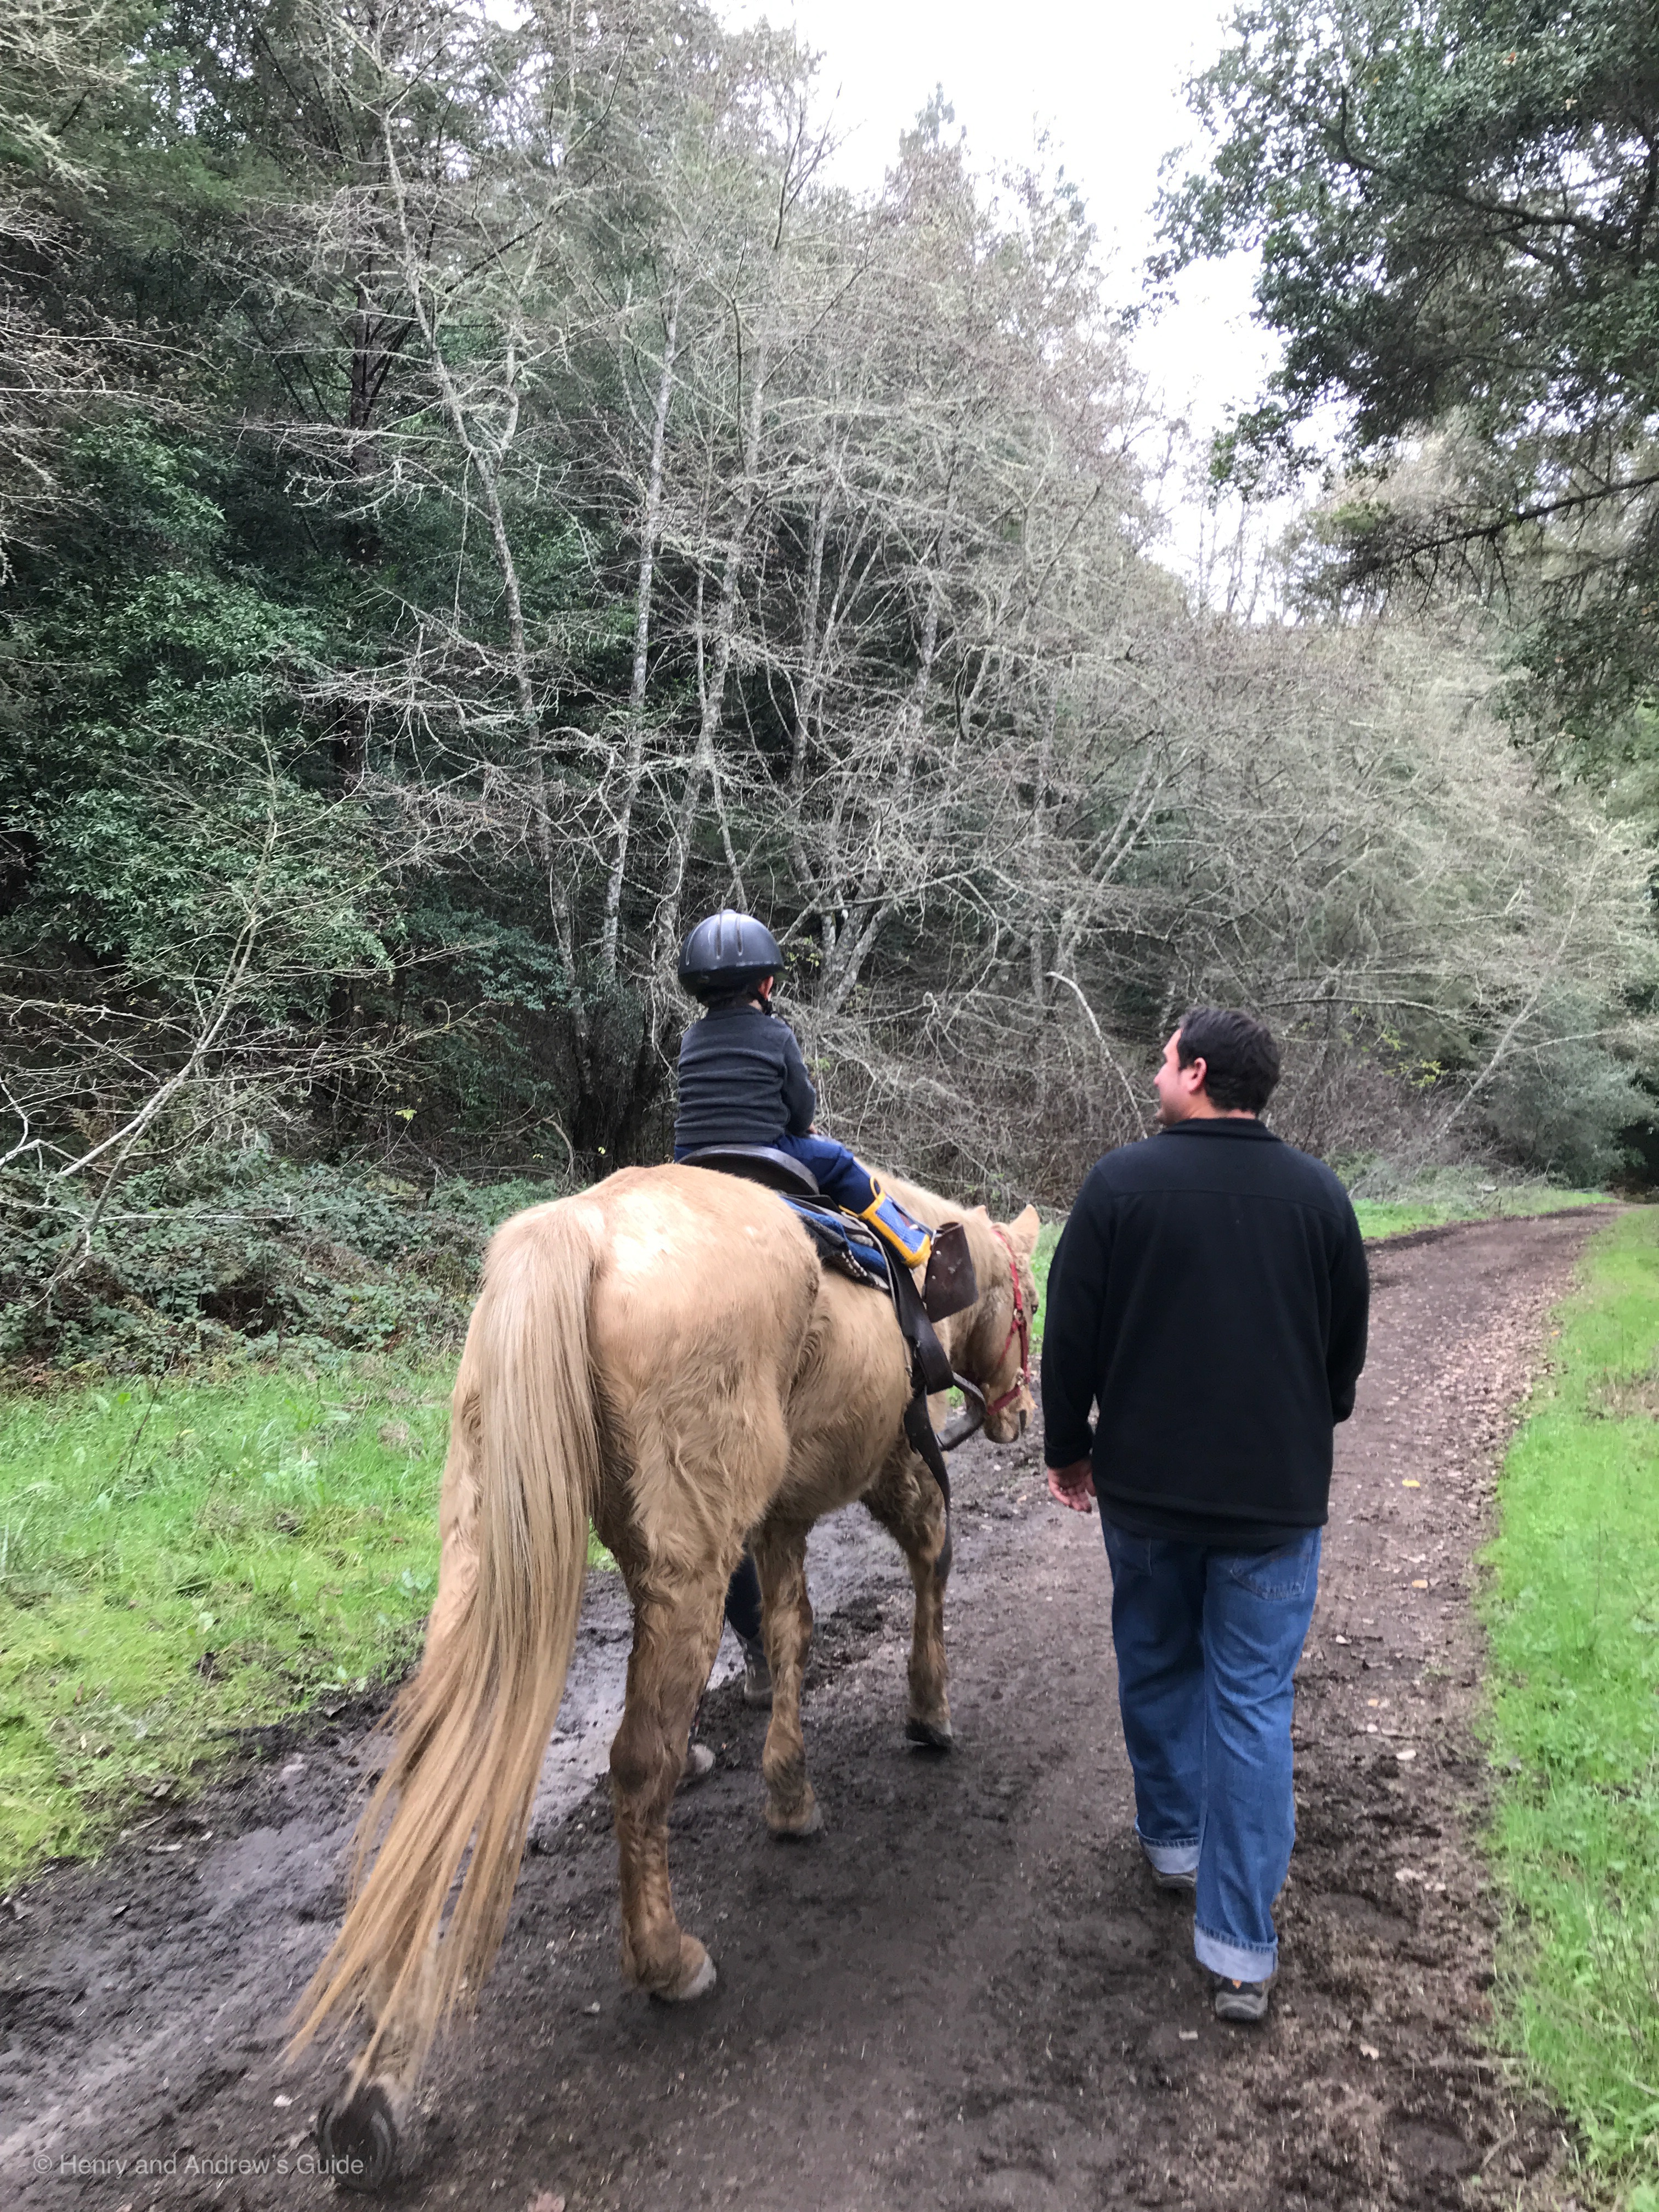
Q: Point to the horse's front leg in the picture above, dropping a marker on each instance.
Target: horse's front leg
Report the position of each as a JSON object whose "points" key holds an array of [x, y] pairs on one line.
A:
{"points": [[675, 1637], [906, 1501], [780, 1557]]}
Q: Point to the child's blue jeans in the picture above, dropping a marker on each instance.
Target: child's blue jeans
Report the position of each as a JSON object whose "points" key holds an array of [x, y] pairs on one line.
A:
{"points": [[839, 1174]]}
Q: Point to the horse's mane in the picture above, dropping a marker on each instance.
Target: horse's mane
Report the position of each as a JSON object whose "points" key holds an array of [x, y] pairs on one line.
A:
{"points": [[926, 1205]]}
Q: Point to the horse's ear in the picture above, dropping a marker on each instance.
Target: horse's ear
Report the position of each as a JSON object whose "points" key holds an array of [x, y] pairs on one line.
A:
{"points": [[1023, 1234]]}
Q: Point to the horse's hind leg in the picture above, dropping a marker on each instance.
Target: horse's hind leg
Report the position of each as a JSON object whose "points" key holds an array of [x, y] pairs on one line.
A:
{"points": [[371, 2132], [674, 1636], [781, 1556], [906, 1501]]}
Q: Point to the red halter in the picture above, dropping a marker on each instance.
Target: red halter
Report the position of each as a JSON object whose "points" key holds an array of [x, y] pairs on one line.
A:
{"points": [[1019, 1326]]}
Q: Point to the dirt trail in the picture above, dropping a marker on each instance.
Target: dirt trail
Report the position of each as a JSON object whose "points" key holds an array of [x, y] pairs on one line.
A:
{"points": [[965, 1992]]}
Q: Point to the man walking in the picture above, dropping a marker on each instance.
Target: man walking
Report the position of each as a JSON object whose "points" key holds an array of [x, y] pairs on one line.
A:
{"points": [[1209, 1298]]}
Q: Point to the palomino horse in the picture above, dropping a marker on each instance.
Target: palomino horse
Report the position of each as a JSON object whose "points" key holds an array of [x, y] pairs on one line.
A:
{"points": [[665, 1356]]}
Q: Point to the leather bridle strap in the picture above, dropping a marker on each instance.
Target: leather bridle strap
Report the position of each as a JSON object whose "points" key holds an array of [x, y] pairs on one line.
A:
{"points": [[1019, 1325]]}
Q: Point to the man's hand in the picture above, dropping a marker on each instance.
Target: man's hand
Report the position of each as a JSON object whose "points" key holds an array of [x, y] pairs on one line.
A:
{"points": [[1074, 1486]]}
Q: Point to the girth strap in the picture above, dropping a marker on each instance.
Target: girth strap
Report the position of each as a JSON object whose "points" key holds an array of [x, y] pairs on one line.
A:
{"points": [[924, 1441], [930, 1370], [929, 1367]]}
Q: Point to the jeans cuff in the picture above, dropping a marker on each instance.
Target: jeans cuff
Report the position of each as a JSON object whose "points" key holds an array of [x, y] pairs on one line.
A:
{"points": [[1239, 1962], [1178, 1855]]}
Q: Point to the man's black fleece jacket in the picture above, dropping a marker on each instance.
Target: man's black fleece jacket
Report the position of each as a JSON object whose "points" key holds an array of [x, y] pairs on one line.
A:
{"points": [[1210, 1296]]}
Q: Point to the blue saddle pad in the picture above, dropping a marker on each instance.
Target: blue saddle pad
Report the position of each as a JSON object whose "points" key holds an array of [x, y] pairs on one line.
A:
{"points": [[844, 1242]]}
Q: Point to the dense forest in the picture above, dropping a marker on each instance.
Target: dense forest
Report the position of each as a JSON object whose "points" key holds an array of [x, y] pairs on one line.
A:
{"points": [[476, 495]]}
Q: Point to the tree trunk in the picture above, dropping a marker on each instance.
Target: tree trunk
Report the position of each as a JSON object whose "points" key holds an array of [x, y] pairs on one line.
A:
{"points": [[805, 699], [858, 939], [633, 762], [667, 934], [1038, 856]]}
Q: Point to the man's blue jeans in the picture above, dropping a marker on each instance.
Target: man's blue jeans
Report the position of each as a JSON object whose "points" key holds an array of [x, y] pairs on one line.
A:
{"points": [[1207, 1642]]}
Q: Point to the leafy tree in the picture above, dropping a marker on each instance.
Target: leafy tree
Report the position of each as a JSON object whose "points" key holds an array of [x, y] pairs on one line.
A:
{"points": [[513, 503], [1456, 207]]}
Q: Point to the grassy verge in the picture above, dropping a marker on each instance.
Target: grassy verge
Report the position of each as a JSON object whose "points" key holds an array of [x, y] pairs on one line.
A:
{"points": [[184, 1559], [1435, 1207], [1041, 1261], [1573, 1615]]}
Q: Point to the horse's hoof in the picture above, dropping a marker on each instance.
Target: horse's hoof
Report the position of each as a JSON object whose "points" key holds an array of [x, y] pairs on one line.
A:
{"points": [[699, 1766], [700, 1984], [702, 1978], [798, 1828], [930, 1734], [359, 2141]]}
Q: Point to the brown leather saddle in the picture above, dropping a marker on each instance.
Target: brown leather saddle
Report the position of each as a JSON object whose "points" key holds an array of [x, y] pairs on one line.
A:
{"points": [[756, 1163]]}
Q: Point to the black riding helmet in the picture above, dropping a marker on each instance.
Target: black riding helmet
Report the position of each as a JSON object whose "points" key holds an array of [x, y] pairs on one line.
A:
{"points": [[726, 955]]}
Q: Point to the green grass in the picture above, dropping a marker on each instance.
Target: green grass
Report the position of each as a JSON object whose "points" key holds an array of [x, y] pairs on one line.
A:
{"points": [[1573, 1615], [182, 1560], [1434, 1205], [1041, 1261]]}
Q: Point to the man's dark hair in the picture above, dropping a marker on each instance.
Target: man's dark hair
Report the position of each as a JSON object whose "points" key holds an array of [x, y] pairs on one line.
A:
{"points": [[1241, 1060]]}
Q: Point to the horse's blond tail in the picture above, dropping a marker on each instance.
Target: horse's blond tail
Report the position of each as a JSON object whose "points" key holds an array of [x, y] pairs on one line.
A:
{"points": [[471, 1727]]}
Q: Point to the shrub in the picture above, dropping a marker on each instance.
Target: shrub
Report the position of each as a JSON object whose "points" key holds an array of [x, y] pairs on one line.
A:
{"points": [[1564, 1106], [223, 1250]]}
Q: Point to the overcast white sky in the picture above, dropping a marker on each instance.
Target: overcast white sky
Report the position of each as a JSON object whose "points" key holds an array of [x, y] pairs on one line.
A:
{"points": [[1104, 81]]}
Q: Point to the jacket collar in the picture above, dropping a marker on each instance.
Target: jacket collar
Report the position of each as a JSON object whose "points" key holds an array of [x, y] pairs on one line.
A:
{"points": [[1220, 1126]]}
